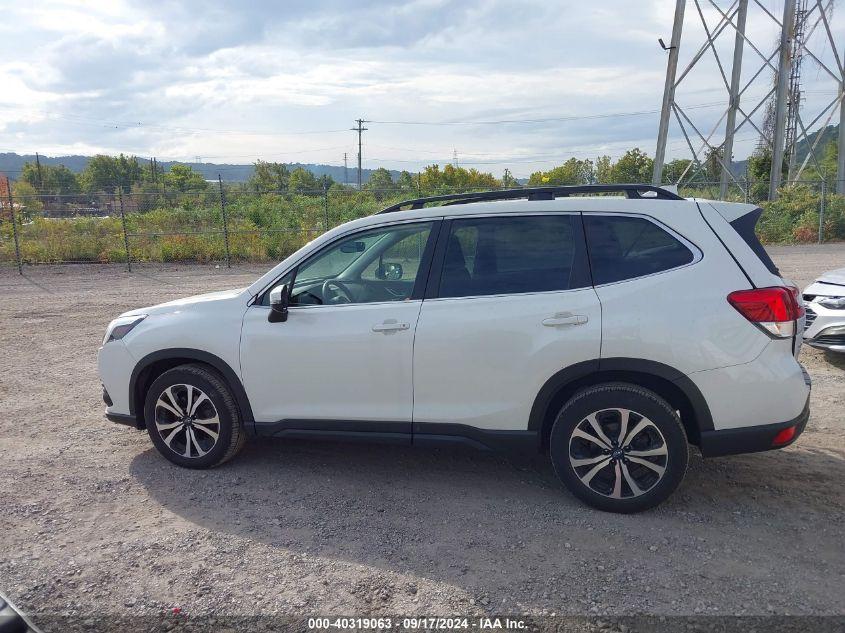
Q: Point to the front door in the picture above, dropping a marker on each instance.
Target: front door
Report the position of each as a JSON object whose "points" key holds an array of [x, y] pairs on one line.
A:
{"points": [[513, 304], [344, 355]]}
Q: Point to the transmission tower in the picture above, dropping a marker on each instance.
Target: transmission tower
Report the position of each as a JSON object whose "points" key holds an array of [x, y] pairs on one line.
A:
{"points": [[794, 98], [783, 124]]}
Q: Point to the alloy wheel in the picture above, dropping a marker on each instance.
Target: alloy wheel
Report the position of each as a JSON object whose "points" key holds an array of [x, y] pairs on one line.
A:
{"points": [[187, 420], [618, 453]]}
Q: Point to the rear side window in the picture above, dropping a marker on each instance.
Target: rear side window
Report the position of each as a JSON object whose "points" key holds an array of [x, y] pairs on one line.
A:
{"points": [[490, 256], [625, 247]]}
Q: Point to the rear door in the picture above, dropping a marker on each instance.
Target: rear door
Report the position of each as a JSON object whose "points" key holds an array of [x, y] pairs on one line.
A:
{"points": [[509, 303]]}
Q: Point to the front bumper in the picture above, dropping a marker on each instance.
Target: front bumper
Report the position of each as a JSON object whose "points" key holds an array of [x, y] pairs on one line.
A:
{"points": [[115, 365], [825, 328], [751, 439]]}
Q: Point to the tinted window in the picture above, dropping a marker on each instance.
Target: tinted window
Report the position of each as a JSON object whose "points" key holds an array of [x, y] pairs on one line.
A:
{"points": [[367, 267], [488, 256], [625, 247]]}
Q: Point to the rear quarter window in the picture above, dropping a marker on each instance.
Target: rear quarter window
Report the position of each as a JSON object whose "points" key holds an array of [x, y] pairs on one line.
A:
{"points": [[625, 247]]}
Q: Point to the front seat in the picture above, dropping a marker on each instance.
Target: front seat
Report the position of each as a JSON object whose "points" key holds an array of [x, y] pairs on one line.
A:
{"points": [[455, 280]]}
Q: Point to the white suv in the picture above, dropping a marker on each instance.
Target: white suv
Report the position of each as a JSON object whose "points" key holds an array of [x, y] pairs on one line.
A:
{"points": [[609, 331]]}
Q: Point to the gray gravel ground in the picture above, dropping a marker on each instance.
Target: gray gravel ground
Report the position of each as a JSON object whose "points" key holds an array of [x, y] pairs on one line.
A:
{"points": [[95, 523]]}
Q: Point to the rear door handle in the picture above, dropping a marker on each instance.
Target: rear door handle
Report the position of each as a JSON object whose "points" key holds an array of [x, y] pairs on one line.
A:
{"points": [[391, 325], [564, 319]]}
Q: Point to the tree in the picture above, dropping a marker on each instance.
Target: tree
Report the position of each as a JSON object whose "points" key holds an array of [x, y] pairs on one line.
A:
{"points": [[603, 169], [453, 178], [406, 181], [713, 164], [269, 177], [380, 183], [107, 173], [302, 181], [634, 166], [673, 169], [54, 180], [508, 181], [325, 182], [184, 178], [572, 172], [26, 199]]}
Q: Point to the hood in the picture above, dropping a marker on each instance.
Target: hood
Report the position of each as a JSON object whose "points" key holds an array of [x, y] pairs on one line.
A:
{"points": [[187, 302], [833, 277]]}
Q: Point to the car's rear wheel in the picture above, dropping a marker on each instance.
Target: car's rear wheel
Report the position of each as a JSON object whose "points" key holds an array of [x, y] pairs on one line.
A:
{"points": [[192, 417], [619, 447]]}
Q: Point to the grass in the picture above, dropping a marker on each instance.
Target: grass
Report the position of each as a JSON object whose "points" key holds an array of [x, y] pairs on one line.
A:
{"points": [[269, 227]]}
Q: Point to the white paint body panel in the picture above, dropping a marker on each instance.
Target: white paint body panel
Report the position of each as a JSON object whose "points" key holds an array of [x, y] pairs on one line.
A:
{"points": [[767, 390], [327, 363], [481, 361], [209, 323]]}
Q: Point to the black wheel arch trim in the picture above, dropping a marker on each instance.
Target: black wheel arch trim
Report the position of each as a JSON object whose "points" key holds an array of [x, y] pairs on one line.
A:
{"points": [[569, 375], [190, 354]]}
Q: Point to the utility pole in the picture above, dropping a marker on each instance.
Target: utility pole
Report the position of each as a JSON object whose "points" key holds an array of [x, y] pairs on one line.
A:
{"points": [[668, 92], [782, 90], [360, 128], [840, 167], [345, 170], [38, 167], [736, 73]]}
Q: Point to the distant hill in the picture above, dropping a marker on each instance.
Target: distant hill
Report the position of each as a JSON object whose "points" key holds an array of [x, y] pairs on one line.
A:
{"points": [[829, 134], [11, 165]]}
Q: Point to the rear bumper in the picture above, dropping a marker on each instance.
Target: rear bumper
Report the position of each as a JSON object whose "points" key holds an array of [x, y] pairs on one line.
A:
{"points": [[122, 418], [751, 439]]}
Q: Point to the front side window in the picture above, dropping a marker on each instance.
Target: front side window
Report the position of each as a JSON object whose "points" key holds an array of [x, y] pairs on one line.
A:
{"points": [[625, 247], [490, 256], [371, 266]]}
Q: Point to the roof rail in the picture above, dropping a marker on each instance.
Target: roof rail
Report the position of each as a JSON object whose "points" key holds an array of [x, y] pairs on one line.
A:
{"points": [[633, 191]]}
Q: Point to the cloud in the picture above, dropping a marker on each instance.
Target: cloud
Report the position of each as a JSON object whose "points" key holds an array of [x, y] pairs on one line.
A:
{"points": [[273, 80]]}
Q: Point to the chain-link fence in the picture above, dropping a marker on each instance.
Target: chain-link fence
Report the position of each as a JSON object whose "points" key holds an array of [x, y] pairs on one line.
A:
{"points": [[227, 223]]}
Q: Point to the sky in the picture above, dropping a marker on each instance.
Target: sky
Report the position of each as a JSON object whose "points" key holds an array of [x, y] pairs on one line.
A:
{"points": [[491, 84]]}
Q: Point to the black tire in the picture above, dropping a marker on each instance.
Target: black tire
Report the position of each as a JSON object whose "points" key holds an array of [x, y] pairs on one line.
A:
{"points": [[171, 437], [623, 484]]}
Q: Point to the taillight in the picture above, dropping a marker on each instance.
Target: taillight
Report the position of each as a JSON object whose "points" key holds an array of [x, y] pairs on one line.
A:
{"points": [[774, 309]]}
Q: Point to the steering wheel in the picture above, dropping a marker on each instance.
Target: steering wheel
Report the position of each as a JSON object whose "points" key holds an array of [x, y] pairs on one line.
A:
{"points": [[344, 296]]}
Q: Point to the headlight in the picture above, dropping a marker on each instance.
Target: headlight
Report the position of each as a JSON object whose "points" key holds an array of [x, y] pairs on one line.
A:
{"points": [[835, 303], [121, 326]]}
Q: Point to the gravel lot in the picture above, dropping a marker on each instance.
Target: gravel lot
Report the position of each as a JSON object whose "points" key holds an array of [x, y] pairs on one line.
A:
{"points": [[94, 522]]}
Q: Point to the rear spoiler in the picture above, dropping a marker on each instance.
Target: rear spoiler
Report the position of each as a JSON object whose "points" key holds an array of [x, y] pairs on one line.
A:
{"points": [[743, 219]]}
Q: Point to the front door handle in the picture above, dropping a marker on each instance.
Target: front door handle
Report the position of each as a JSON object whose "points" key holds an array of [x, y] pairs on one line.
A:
{"points": [[391, 325], [562, 319]]}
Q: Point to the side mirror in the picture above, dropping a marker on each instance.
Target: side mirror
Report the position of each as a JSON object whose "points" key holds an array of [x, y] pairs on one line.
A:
{"points": [[389, 272], [279, 300]]}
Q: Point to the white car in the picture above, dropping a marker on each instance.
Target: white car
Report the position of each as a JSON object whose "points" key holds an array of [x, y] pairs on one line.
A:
{"points": [[608, 331], [825, 304]]}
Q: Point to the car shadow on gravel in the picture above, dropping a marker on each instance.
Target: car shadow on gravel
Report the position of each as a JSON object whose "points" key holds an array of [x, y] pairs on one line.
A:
{"points": [[469, 518], [837, 359]]}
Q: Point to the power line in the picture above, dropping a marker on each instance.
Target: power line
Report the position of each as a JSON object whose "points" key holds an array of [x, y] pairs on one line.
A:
{"points": [[541, 120]]}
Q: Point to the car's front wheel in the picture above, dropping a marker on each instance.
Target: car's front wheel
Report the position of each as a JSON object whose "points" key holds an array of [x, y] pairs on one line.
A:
{"points": [[619, 447], [192, 417]]}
